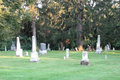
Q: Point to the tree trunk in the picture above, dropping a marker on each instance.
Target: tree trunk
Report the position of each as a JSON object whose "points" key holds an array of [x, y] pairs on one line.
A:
{"points": [[79, 33], [61, 45]]}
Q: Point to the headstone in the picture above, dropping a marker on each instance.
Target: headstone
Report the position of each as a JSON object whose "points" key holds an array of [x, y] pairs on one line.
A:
{"points": [[113, 49], [63, 48], [26, 54], [67, 53], [48, 48], [105, 56], [98, 49], [64, 57], [12, 46], [34, 54], [76, 49], [59, 48], [85, 60], [106, 49], [42, 50], [19, 51], [5, 48]]}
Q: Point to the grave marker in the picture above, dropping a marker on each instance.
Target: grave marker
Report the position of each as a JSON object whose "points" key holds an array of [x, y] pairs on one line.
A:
{"points": [[42, 50], [67, 53], [34, 54], [98, 49], [85, 60], [19, 51]]}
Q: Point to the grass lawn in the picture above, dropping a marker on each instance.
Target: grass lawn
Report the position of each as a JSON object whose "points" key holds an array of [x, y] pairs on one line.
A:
{"points": [[53, 67]]}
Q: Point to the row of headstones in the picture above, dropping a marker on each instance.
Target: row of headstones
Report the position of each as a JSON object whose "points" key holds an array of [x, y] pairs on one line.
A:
{"points": [[42, 46], [34, 54]]}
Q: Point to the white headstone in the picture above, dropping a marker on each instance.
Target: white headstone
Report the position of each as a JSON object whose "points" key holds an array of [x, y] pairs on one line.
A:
{"points": [[113, 48], [67, 53], [48, 47], [106, 49], [85, 55], [19, 51], [63, 48], [34, 54], [85, 60], [98, 49], [64, 57], [76, 49], [105, 56], [42, 50], [12, 46], [5, 48]]}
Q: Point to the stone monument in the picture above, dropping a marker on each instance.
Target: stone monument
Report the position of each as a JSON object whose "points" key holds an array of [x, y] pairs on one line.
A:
{"points": [[34, 54], [105, 56], [48, 48], [85, 60], [19, 51], [113, 49], [67, 53], [5, 48], [42, 50], [12, 46], [108, 47], [98, 49]]}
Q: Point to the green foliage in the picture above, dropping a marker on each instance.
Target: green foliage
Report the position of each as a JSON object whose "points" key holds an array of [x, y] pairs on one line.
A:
{"points": [[58, 21]]}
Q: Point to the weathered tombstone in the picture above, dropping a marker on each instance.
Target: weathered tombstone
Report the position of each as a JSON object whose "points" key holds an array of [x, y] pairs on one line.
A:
{"points": [[85, 60], [59, 48], [48, 48], [67, 53], [106, 49], [105, 56], [113, 49], [19, 51], [26, 54], [98, 49], [42, 50], [12, 46], [63, 48], [5, 48], [34, 54]]}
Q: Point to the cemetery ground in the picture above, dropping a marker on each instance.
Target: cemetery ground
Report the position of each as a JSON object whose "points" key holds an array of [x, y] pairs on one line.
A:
{"points": [[53, 67]]}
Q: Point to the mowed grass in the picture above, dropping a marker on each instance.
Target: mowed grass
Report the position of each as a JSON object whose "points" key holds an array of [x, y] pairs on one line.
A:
{"points": [[53, 67]]}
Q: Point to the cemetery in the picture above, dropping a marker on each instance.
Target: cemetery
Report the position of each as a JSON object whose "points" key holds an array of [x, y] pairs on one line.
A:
{"points": [[53, 67], [59, 39]]}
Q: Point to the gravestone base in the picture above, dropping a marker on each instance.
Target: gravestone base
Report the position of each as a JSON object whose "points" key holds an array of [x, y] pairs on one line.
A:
{"points": [[85, 62], [34, 57], [19, 53], [42, 52], [98, 51]]}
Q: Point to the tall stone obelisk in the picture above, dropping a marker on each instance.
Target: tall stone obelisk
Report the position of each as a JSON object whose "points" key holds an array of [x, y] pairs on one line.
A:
{"points": [[98, 49], [34, 54], [19, 51]]}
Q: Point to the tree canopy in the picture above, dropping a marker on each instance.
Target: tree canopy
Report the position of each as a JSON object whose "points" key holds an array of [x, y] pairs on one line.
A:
{"points": [[57, 22]]}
